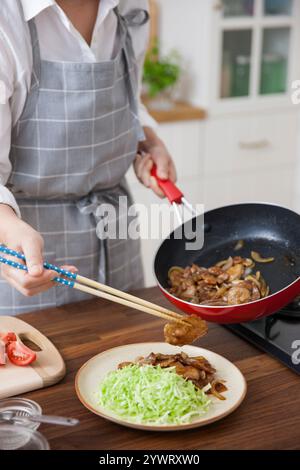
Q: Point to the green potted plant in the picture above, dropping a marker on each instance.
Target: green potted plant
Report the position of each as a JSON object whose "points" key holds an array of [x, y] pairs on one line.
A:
{"points": [[161, 74]]}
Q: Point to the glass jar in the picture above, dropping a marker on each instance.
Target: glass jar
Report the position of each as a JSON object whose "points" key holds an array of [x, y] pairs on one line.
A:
{"points": [[23, 406], [241, 76], [16, 437], [273, 74]]}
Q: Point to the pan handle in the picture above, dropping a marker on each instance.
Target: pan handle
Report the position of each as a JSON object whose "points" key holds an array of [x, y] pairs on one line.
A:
{"points": [[169, 189]]}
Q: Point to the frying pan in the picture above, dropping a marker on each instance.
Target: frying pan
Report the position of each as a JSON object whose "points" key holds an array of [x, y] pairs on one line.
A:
{"points": [[270, 230]]}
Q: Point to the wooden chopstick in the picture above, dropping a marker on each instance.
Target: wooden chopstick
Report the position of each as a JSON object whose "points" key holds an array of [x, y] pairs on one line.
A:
{"points": [[124, 295], [128, 303]]}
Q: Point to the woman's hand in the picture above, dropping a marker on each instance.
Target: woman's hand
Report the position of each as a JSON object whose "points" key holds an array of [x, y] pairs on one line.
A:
{"points": [[153, 151], [19, 236]]}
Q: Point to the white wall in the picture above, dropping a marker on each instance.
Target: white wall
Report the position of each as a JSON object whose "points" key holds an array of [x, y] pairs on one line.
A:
{"points": [[180, 29]]}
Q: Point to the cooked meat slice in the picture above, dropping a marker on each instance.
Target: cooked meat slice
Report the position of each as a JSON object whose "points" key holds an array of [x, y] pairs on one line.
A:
{"points": [[220, 387], [180, 369], [215, 385], [222, 277], [238, 295], [255, 293], [235, 272], [149, 360], [247, 284], [196, 369], [188, 292], [201, 365], [209, 279], [167, 363], [191, 373], [125, 364], [183, 355], [215, 270], [179, 334], [163, 357], [213, 286]]}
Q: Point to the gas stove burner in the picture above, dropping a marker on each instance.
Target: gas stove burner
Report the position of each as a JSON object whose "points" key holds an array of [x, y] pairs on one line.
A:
{"points": [[286, 313], [269, 325], [289, 314], [275, 334], [290, 311]]}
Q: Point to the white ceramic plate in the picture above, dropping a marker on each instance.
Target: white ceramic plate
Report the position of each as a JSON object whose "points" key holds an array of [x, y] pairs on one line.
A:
{"points": [[93, 372]]}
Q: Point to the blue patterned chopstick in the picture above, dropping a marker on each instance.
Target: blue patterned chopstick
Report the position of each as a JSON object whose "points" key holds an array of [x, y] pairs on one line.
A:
{"points": [[93, 288], [48, 266]]}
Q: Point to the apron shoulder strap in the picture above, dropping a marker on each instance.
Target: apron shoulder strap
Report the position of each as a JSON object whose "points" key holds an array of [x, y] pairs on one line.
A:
{"points": [[134, 18], [36, 54], [137, 17]]}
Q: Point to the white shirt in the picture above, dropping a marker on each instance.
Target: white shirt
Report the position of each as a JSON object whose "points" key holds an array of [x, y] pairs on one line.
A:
{"points": [[59, 41]]}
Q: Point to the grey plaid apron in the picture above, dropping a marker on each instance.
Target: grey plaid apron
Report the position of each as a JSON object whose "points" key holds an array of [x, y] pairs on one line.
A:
{"points": [[71, 148]]}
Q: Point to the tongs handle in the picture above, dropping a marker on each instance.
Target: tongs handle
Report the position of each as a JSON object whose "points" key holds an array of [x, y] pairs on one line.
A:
{"points": [[169, 189]]}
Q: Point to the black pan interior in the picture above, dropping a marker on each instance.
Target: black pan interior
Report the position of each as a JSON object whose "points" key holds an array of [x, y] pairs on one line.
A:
{"points": [[270, 230]]}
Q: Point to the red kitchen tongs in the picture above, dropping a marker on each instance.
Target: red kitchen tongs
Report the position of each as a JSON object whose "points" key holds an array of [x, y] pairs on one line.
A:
{"points": [[174, 195]]}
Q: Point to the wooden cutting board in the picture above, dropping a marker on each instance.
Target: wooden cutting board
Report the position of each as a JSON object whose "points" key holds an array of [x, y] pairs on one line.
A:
{"points": [[48, 369]]}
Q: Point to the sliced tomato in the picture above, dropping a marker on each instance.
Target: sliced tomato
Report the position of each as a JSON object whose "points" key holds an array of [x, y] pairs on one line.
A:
{"points": [[8, 337], [2, 353], [19, 354]]}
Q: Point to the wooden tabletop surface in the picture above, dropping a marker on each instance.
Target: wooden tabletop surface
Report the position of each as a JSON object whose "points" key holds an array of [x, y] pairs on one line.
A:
{"points": [[269, 418]]}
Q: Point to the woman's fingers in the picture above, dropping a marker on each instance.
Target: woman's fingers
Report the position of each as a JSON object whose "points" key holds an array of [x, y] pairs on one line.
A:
{"points": [[143, 166], [33, 291], [23, 238], [70, 268], [172, 172], [159, 156], [25, 281], [30, 286], [39, 290], [33, 251], [27, 284], [155, 188], [162, 161], [145, 173], [137, 164]]}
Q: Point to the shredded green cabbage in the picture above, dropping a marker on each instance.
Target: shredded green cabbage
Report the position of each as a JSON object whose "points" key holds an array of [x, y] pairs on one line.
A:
{"points": [[151, 395]]}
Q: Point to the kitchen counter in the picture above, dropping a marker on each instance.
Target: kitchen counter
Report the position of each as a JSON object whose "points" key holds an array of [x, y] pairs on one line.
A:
{"points": [[269, 418], [181, 111]]}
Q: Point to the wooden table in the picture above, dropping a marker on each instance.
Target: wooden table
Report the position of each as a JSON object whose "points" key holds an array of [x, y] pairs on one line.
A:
{"points": [[269, 418]]}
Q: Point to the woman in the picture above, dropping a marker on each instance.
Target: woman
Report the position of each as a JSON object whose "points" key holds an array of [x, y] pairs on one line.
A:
{"points": [[71, 124]]}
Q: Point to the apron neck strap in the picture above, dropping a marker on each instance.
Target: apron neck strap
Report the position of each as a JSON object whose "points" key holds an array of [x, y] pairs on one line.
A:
{"points": [[134, 18], [36, 54]]}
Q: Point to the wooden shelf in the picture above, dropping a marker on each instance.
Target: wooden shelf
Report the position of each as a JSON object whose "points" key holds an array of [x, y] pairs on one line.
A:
{"points": [[180, 112]]}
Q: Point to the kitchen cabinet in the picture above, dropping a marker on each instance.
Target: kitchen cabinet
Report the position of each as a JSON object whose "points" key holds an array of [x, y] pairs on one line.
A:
{"points": [[253, 159], [249, 100]]}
